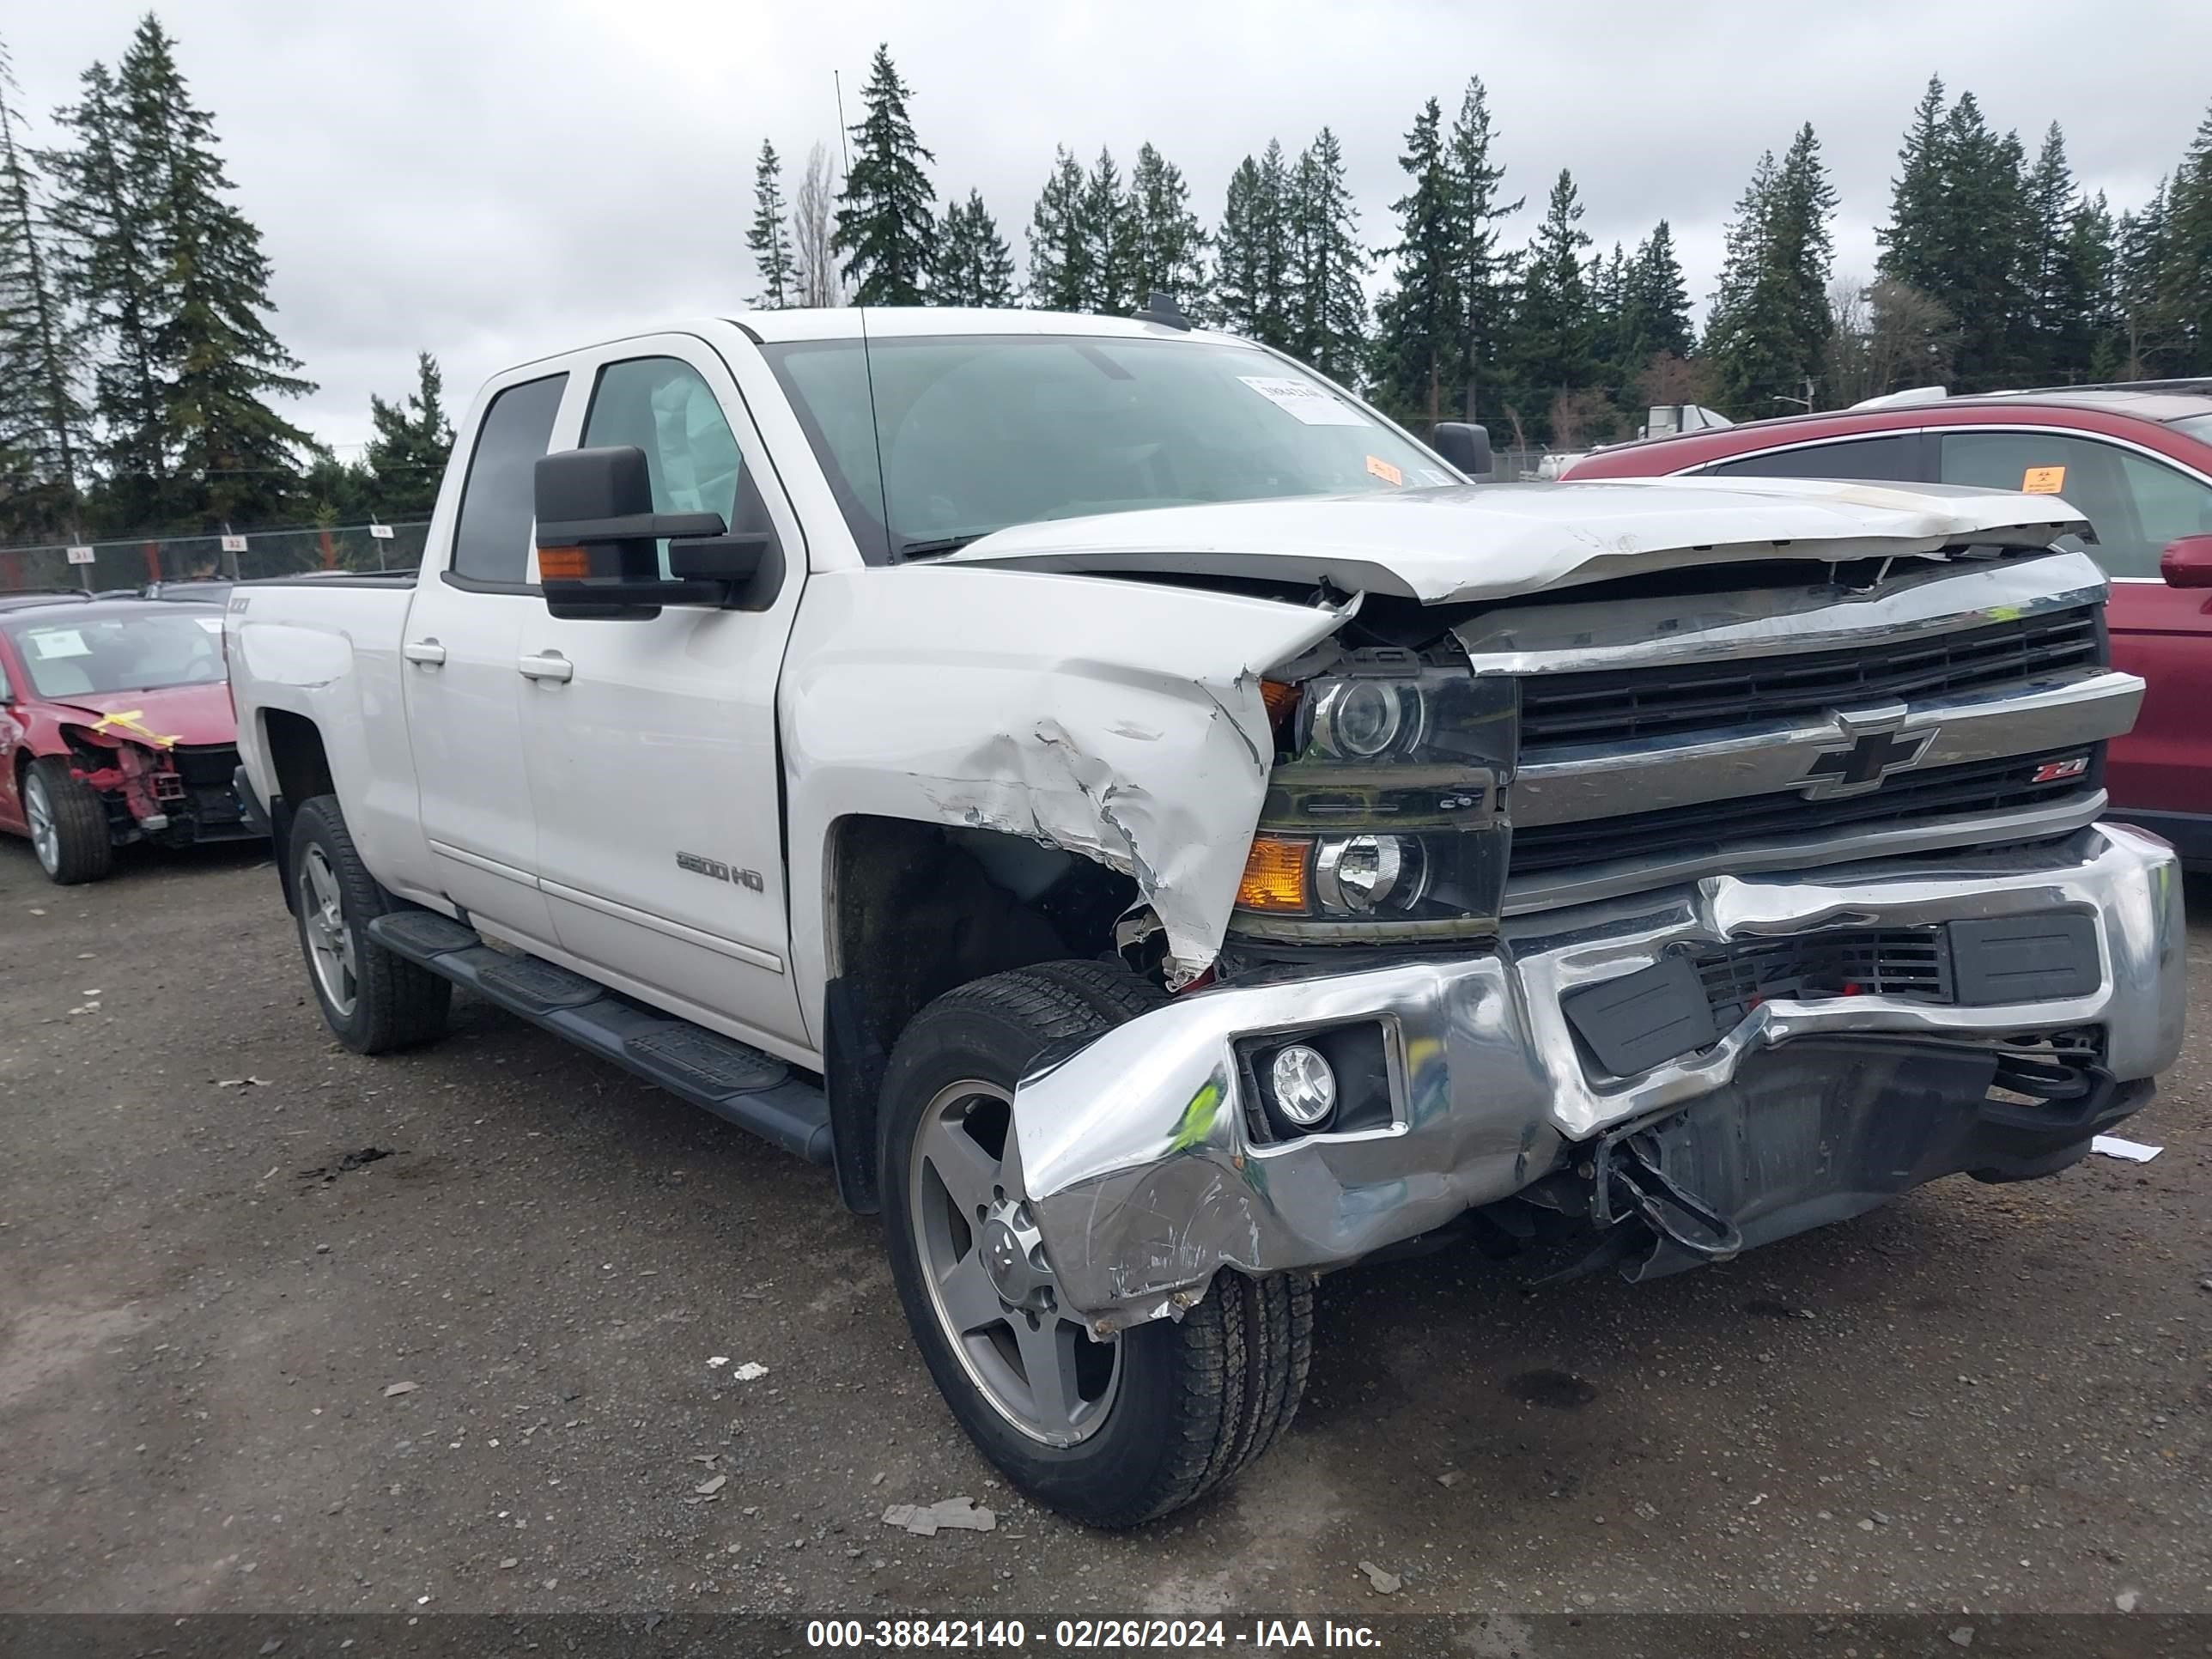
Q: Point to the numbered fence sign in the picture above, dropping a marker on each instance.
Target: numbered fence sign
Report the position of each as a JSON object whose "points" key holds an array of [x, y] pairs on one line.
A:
{"points": [[234, 544], [80, 556]]}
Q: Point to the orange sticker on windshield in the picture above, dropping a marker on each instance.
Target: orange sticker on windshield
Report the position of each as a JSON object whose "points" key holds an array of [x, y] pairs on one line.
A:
{"points": [[2044, 480], [1383, 469]]}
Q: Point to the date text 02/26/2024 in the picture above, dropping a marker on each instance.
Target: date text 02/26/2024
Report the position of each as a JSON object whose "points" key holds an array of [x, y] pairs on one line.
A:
{"points": [[1085, 1635]]}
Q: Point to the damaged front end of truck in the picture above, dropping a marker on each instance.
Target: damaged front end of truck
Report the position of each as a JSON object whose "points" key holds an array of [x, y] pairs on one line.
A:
{"points": [[1701, 880]]}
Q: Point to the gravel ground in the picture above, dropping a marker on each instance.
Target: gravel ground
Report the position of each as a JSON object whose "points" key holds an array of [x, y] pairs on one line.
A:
{"points": [[1982, 1398]]}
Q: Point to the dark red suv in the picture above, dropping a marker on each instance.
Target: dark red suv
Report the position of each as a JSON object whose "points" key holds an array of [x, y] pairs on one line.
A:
{"points": [[2136, 460]]}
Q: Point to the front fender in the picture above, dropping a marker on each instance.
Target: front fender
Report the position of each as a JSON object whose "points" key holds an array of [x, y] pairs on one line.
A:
{"points": [[1119, 720]]}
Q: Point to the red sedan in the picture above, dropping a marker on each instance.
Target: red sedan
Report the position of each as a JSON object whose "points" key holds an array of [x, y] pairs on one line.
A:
{"points": [[115, 726], [2136, 460]]}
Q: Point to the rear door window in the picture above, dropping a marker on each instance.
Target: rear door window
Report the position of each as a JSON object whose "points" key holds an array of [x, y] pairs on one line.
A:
{"points": [[491, 539], [1895, 456], [2135, 504]]}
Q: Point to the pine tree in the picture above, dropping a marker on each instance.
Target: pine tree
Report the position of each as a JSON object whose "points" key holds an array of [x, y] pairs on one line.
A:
{"points": [[42, 417], [1988, 262], [1484, 271], [1916, 241], [2140, 247], [1655, 304], [235, 455], [1418, 345], [769, 239], [1555, 326], [1252, 262], [1270, 320], [1109, 235], [406, 458], [2091, 258], [1747, 332], [2064, 279], [885, 216], [1609, 319], [2186, 269], [1328, 324], [1167, 243], [104, 212], [1769, 328], [1060, 250], [973, 265], [1235, 252]]}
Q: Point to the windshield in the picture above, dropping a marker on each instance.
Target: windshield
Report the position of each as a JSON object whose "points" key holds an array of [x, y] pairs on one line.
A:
{"points": [[2196, 426], [979, 432], [84, 656]]}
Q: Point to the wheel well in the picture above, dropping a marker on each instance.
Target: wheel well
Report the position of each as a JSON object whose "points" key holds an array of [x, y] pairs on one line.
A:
{"points": [[918, 909], [295, 751]]}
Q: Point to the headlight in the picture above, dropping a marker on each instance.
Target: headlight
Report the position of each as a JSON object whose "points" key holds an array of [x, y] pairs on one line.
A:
{"points": [[1361, 719], [1385, 812], [1360, 875]]}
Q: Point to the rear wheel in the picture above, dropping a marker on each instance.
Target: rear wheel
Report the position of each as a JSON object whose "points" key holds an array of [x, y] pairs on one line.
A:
{"points": [[67, 824], [373, 1000], [1112, 1432]]}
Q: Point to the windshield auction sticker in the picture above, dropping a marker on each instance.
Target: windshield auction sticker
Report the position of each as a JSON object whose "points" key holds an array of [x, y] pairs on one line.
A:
{"points": [[1309, 403]]}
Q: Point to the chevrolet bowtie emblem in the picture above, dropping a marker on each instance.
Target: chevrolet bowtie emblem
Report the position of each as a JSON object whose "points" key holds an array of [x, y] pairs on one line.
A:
{"points": [[1865, 763]]}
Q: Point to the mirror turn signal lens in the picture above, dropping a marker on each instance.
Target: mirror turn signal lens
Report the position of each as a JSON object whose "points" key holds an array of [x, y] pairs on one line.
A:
{"points": [[1275, 876], [563, 564]]}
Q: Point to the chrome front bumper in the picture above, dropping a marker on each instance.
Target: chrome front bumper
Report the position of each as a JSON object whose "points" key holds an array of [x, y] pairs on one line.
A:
{"points": [[1145, 1179]]}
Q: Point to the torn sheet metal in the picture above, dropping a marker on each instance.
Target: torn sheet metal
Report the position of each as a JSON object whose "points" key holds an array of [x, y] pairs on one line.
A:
{"points": [[1495, 541], [1120, 722]]}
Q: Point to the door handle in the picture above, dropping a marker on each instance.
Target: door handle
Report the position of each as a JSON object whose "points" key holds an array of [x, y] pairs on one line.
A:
{"points": [[548, 666], [428, 653]]}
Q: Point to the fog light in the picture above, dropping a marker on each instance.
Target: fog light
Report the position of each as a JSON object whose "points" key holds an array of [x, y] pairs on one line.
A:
{"points": [[1305, 1087]]}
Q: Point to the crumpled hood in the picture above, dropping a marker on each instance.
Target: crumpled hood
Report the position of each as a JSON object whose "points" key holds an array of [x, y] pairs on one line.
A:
{"points": [[183, 714], [1493, 541]]}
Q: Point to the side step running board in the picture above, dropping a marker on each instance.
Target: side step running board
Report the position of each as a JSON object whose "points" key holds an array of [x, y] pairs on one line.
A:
{"points": [[754, 1090]]}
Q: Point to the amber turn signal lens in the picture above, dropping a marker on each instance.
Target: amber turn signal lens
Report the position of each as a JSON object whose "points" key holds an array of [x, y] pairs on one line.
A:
{"points": [[1281, 699], [1274, 876], [563, 564]]}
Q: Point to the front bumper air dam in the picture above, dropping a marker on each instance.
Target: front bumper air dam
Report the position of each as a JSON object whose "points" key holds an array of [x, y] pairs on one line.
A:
{"points": [[1144, 1177]]}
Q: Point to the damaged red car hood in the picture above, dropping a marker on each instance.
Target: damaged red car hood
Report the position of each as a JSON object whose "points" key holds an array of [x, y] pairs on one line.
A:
{"points": [[182, 713]]}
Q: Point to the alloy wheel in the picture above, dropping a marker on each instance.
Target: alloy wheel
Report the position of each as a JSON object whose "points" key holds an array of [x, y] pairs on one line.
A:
{"points": [[331, 950], [991, 1289], [46, 836]]}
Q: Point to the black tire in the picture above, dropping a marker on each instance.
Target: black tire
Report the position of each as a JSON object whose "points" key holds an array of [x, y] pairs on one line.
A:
{"points": [[395, 1003], [1197, 1398], [80, 848]]}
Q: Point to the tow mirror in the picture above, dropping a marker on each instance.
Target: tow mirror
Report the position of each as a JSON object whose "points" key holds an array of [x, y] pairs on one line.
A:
{"points": [[1465, 444], [2187, 561], [598, 541]]}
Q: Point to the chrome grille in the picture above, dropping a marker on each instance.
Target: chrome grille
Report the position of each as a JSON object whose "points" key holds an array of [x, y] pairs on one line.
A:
{"points": [[1706, 696], [1977, 788]]}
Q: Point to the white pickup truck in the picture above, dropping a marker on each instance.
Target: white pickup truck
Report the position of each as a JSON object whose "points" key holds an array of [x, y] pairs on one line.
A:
{"points": [[1159, 833]]}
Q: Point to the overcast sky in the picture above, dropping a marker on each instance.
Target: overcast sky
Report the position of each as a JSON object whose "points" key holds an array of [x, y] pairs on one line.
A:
{"points": [[489, 179]]}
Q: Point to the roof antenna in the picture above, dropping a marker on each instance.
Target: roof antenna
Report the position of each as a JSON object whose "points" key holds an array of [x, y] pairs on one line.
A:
{"points": [[867, 358], [1162, 309]]}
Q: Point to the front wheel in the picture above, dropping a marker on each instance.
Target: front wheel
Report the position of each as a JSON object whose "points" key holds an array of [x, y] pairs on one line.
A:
{"points": [[373, 1000], [1112, 1433], [68, 822]]}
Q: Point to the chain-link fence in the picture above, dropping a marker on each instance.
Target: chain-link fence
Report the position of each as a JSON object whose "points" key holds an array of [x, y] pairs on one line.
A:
{"points": [[128, 564]]}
